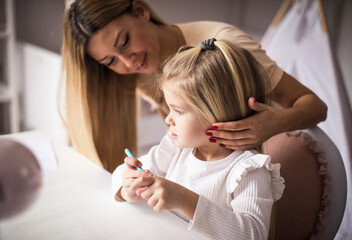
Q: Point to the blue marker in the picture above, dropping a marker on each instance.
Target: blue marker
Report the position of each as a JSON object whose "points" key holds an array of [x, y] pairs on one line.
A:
{"points": [[129, 154]]}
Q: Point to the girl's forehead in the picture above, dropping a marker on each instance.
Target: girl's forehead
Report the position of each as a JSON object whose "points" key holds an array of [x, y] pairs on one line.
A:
{"points": [[171, 92], [173, 89]]}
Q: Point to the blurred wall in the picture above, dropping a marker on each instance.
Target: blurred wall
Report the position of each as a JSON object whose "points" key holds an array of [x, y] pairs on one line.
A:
{"points": [[40, 22], [254, 16], [343, 45]]}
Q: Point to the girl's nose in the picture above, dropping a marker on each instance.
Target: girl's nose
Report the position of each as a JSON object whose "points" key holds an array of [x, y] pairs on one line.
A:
{"points": [[168, 120]]}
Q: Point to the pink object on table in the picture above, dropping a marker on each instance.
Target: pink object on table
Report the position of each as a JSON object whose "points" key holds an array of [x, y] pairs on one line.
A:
{"points": [[20, 178]]}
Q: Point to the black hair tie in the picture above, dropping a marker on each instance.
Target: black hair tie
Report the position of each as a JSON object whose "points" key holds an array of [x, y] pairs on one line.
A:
{"points": [[207, 44]]}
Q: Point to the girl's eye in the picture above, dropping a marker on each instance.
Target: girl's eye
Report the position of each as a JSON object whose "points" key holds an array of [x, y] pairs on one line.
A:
{"points": [[179, 112], [111, 62], [126, 40]]}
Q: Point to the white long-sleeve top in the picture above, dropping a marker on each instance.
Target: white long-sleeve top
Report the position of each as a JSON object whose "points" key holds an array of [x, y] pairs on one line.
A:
{"points": [[236, 193]]}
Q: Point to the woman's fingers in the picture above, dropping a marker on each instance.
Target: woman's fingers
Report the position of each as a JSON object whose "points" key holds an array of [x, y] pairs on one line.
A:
{"points": [[240, 147], [231, 135], [234, 136], [230, 126], [257, 106], [246, 133], [239, 144]]}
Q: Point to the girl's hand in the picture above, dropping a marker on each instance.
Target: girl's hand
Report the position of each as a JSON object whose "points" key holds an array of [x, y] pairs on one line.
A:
{"points": [[163, 194], [247, 133], [129, 176]]}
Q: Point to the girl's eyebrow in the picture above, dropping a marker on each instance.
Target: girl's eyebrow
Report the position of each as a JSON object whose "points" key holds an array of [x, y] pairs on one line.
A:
{"points": [[178, 107], [115, 43], [173, 105]]}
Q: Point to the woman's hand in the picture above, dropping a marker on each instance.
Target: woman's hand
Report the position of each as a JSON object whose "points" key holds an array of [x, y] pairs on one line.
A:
{"points": [[163, 194], [129, 176], [247, 133]]}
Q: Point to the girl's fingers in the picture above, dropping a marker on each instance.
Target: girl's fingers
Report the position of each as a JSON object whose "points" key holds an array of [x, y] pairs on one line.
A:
{"points": [[152, 201], [147, 193], [159, 205], [130, 173], [126, 182], [142, 182], [129, 176], [132, 163], [140, 191]]}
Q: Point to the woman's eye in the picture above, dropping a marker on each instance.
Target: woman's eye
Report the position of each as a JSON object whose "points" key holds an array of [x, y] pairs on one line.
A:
{"points": [[111, 62], [127, 39]]}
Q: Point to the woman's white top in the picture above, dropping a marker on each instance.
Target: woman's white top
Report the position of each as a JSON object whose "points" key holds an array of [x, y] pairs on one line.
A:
{"points": [[236, 193]]}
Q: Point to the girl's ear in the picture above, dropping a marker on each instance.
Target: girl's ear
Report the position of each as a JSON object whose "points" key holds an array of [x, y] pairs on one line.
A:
{"points": [[140, 10]]}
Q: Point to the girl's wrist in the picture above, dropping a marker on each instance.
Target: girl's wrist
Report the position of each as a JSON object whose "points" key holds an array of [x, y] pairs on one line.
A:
{"points": [[119, 197], [189, 203]]}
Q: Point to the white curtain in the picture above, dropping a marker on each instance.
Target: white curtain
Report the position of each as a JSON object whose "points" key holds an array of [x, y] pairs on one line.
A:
{"points": [[300, 45]]}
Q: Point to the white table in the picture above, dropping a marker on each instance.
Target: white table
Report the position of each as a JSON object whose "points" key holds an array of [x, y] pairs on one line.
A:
{"points": [[76, 202]]}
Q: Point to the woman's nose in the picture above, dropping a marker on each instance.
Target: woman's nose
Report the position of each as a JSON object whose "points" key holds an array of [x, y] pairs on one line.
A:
{"points": [[129, 60]]}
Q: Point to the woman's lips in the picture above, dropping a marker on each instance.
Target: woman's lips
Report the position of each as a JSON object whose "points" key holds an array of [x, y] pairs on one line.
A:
{"points": [[173, 135], [144, 63]]}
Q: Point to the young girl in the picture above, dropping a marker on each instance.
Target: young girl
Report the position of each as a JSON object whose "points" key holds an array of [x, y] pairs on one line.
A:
{"points": [[224, 194]]}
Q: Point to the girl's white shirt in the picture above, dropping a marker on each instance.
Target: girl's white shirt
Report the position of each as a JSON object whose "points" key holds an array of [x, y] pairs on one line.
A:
{"points": [[236, 193]]}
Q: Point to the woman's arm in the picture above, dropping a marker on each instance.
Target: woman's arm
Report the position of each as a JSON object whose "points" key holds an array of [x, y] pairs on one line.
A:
{"points": [[301, 109]]}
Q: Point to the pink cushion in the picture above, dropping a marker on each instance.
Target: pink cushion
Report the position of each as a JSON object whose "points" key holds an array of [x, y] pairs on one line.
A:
{"points": [[296, 215]]}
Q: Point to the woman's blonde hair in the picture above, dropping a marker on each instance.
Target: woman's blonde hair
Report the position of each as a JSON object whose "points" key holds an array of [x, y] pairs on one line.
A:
{"points": [[217, 83], [100, 105]]}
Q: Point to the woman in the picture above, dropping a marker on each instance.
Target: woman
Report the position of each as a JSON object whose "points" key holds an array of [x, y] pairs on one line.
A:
{"points": [[113, 47]]}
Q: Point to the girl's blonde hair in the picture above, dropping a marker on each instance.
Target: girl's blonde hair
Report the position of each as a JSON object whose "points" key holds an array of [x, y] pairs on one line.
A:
{"points": [[100, 105], [217, 83]]}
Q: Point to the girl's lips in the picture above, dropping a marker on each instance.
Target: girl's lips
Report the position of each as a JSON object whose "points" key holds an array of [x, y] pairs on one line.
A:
{"points": [[144, 63], [173, 135]]}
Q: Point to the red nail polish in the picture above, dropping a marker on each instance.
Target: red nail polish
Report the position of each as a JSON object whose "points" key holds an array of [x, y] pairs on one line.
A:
{"points": [[208, 134], [222, 145], [254, 100], [212, 140], [214, 127]]}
